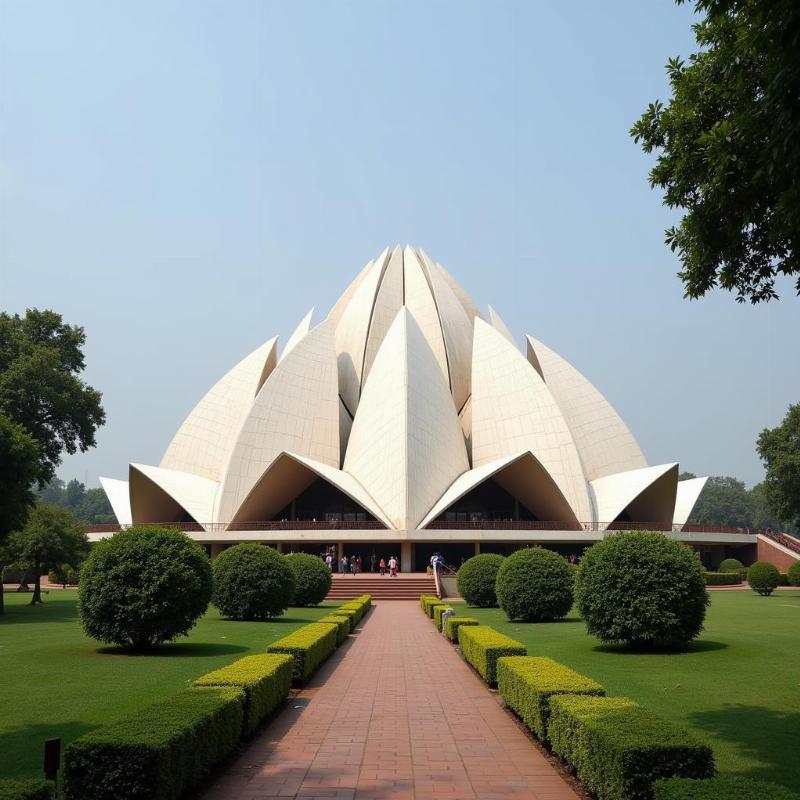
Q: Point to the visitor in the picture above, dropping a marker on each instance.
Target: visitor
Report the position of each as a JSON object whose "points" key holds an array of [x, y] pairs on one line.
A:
{"points": [[329, 562], [392, 567], [358, 563], [343, 565], [373, 560], [353, 565], [382, 567]]}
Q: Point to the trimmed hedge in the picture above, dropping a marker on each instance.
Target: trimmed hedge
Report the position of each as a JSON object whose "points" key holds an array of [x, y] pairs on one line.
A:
{"points": [[350, 613], [160, 752], [763, 578], [342, 624], [476, 578], [720, 789], [534, 585], [312, 579], [731, 565], [431, 607], [309, 646], [481, 646], [426, 601], [452, 624], [723, 578], [265, 680], [26, 789], [437, 614], [527, 683], [619, 749], [793, 574]]}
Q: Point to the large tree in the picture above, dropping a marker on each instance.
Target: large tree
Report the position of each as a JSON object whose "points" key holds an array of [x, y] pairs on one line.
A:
{"points": [[41, 359], [50, 537], [728, 144], [779, 449], [88, 506], [19, 465], [723, 501]]}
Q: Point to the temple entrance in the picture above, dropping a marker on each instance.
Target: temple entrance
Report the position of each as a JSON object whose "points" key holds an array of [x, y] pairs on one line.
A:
{"points": [[453, 552], [383, 550]]}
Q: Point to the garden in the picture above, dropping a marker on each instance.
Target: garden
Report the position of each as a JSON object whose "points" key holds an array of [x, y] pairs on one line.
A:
{"points": [[725, 673], [146, 684]]}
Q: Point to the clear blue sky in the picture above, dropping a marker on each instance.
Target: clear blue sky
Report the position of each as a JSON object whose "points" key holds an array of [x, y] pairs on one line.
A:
{"points": [[187, 179]]}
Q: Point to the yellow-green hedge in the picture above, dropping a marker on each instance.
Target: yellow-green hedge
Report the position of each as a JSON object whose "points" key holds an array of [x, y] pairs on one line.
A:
{"points": [[426, 601], [265, 679], [309, 646], [527, 683], [482, 646], [452, 624], [159, 752], [342, 623], [423, 598], [619, 749], [437, 614]]}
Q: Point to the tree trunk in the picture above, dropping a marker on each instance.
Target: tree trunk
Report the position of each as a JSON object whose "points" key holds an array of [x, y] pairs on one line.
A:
{"points": [[2, 599], [37, 587]]}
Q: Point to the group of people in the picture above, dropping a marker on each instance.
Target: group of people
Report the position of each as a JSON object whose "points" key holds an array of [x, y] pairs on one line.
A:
{"points": [[353, 565]]}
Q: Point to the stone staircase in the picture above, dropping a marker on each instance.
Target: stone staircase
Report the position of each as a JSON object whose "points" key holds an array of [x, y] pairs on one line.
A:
{"points": [[406, 586]]}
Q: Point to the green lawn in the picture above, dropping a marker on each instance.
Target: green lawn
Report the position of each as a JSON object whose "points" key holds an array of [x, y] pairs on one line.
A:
{"points": [[54, 681], [737, 687]]}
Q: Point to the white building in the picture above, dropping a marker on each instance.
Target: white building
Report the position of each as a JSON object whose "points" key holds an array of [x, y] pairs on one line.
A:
{"points": [[405, 422]]}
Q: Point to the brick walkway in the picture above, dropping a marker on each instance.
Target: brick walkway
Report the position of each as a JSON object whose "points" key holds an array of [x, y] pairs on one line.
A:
{"points": [[394, 714]]}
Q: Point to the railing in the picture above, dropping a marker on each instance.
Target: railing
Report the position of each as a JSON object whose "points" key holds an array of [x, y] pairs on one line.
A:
{"points": [[469, 525], [789, 542]]}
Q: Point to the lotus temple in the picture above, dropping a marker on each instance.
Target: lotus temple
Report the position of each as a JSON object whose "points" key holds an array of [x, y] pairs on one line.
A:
{"points": [[406, 422]]}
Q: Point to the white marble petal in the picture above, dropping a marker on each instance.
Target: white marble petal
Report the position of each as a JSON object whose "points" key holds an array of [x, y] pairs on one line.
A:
{"points": [[161, 495], [204, 442], [513, 411], [406, 446], [605, 444], [686, 498], [118, 495], [298, 333], [647, 495], [297, 411], [469, 304], [388, 301], [497, 323]]}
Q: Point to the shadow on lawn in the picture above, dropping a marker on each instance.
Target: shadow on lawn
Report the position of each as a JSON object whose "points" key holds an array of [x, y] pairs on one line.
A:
{"points": [[177, 650], [52, 610], [701, 646], [762, 734], [23, 746]]}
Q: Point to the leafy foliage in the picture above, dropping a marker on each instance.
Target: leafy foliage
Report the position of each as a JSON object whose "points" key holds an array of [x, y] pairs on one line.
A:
{"points": [[476, 579], [728, 146], [160, 752], [252, 581], [793, 574], [779, 449], [483, 646], [722, 788], [534, 584], [643, 589], [41, 359], [731, 565], [51, 537], [28, 789], [763, 578], [143, 586], [618, 749], [312, 579], [88, 506], [309, 646]]}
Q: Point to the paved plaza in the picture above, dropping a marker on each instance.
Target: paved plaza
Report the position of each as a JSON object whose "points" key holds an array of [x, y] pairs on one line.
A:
{"points": [[394, 715]]}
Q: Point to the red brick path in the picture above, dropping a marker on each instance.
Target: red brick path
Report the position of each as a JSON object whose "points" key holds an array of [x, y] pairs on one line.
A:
{"points": [[395, 714]]}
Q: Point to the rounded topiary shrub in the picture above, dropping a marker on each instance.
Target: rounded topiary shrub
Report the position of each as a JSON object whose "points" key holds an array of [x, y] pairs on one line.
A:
{"points": [[252, 581], [312, 579], [534, 585], [793, 574], [476, 579], [763, 577], [641, 589], [143, 586], [731, 565]]}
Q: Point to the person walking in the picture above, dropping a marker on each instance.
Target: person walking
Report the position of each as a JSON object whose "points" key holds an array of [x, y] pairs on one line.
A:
{"points": [[353, 565], [382, 567], [329, 562], [343, 565], [392, 567], [373, 560], [358, 563]]}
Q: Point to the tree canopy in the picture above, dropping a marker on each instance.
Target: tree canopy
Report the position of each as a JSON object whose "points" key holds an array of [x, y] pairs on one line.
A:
{"points": [[779, 449], [49, 538], [41, 359], [88, 506], [728, 144]]}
